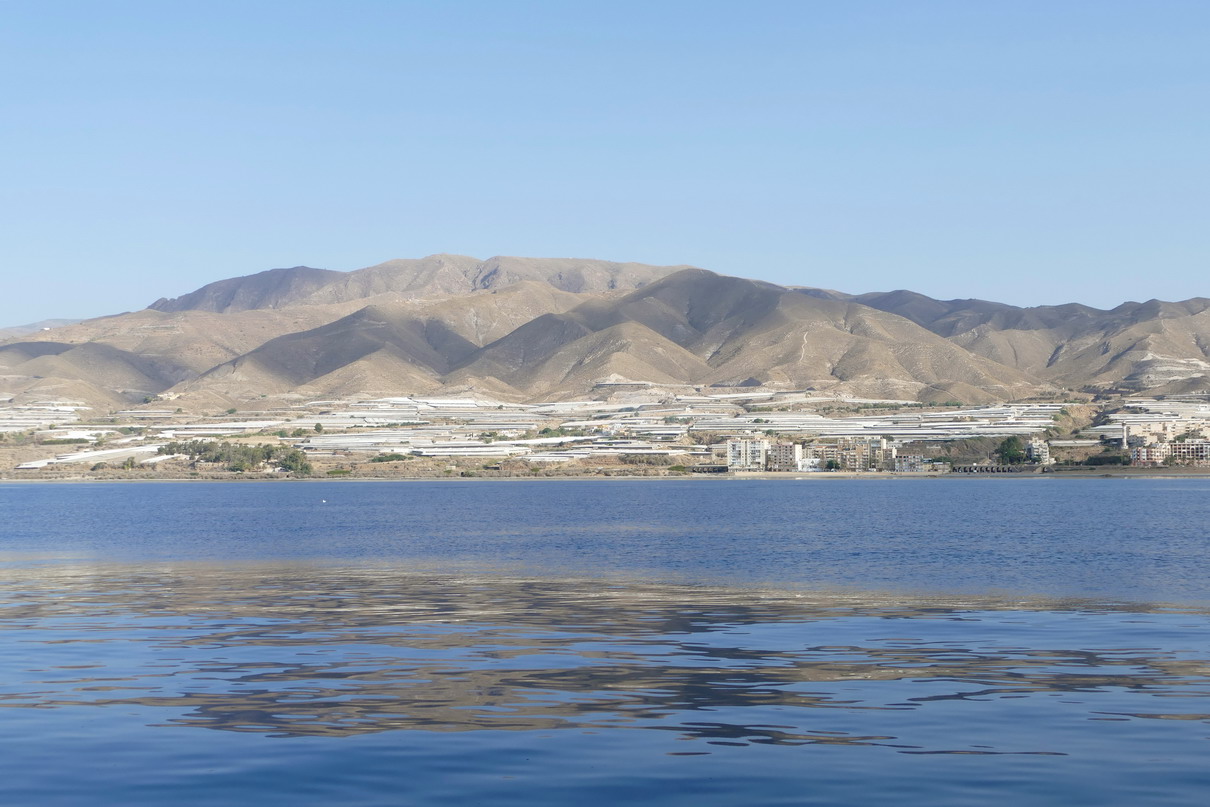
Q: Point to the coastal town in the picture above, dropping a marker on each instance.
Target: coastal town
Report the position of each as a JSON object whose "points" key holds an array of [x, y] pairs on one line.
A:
{"points": [[631, 433]]}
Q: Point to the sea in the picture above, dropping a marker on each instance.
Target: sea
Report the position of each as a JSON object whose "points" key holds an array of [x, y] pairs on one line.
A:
{"points": [[598, 642]]}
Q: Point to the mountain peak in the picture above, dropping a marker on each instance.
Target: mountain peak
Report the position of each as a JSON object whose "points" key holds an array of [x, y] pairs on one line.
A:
{"points": [[431, 277]]}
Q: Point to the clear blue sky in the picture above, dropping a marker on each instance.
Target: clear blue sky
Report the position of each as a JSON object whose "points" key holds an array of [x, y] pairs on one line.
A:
{"points": [[1030, 152]]}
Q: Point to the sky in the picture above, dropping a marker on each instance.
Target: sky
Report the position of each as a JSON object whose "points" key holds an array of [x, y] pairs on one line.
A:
{"points": [[1027, 152]]}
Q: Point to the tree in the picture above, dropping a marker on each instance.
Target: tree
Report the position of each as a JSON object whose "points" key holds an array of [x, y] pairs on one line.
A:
{"points": [[295, 462], [1011, 451], [319, 427], [240, 457]]}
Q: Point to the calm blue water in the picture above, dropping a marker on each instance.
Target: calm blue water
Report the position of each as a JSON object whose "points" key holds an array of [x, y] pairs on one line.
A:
{"points": [[939, 642]]}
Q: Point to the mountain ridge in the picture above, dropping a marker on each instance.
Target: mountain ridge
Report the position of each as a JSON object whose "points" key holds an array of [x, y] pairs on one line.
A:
{"points": [[420, 278], [555, 327]]}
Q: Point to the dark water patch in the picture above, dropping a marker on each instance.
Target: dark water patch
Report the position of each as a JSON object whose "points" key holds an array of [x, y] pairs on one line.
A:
{"points": [[304, 651]]}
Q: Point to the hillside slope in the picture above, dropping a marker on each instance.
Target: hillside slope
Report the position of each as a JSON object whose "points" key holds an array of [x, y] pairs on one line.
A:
{"points": [[699, 328], [415, 279], [531, 328], [1158, 346]]}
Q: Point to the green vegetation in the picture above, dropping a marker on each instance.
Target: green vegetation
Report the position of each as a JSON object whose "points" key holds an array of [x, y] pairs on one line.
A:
{"points": [[339, 472], [231, 411], [1109, 456], [390, 458], [1108, 459], [241, 457], [966, 451], [646, 459], [65, 441], [561, 432], [1011, 451], [319, 427]]}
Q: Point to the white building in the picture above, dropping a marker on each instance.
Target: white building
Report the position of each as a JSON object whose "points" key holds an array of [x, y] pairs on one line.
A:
{"points": [[1179, 452], [747, 455]]}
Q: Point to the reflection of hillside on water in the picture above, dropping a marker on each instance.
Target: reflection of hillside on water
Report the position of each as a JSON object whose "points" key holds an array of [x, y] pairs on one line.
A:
{"points": [[311, 651]]}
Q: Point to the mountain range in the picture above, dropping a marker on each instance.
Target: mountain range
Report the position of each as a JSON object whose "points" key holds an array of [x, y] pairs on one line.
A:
{"points": [[535, 328]]}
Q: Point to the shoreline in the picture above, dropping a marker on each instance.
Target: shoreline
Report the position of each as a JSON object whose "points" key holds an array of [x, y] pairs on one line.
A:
{"points": [[1119, 473]]}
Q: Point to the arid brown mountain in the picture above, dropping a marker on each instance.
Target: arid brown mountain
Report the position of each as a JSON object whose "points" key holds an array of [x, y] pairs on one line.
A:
{"points": [[546, 328], [427, 278], [33, 327], [381, 347], [92, 372], [703, 329], [1158, 346], [691, 328]]}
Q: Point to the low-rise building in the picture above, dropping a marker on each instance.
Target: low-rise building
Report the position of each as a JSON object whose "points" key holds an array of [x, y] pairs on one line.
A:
{"points": [[1150, 455], [1191, 452], [1178, 452]]}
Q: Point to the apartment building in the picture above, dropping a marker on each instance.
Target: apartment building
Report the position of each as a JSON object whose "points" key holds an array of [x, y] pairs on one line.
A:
{"points": [[1191, 452], [785, 457], [1180, 452], [747, 455], [855, 454]]}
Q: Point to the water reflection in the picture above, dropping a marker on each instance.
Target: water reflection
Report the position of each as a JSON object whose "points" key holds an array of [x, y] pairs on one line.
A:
{"points": [[310, 651]]}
